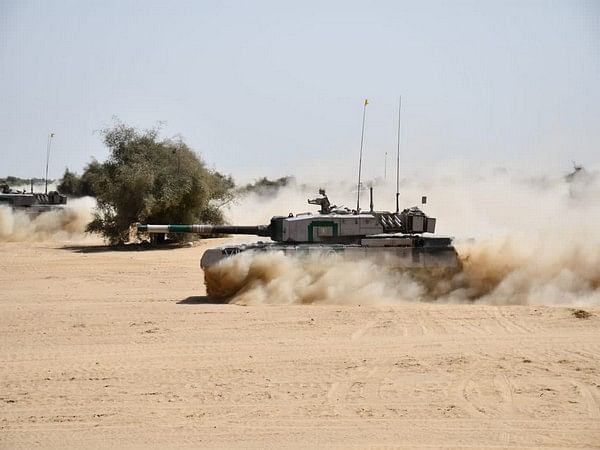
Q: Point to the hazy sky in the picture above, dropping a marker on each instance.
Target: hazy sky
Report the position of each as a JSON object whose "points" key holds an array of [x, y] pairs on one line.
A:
{"points": [[276, 87]]}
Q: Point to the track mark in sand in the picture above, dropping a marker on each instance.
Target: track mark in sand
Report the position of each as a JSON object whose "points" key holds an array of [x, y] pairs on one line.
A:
{"points": [[506, 322], [364, 385], [504, 437], [463, 396], [372, 389], [427, 325], [494, 391], [523, 327], [590, 400], [362, 330], [589, 354], [504, 387]]}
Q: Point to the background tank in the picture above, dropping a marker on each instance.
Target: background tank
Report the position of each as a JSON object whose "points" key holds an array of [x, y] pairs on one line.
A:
{"points": [[374, 234], [31, 202]]}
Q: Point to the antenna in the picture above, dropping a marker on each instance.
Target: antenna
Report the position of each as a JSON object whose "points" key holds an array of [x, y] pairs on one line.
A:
{"points": [[398, 160], [385, 167], [50, 136], [362, 135]]}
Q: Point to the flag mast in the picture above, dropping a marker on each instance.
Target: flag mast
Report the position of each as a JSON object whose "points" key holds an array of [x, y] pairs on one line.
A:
{"points": [[362, 135]]}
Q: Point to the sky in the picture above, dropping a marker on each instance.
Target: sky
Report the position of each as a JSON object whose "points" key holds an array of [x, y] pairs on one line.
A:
{"points": [[274, 88]]}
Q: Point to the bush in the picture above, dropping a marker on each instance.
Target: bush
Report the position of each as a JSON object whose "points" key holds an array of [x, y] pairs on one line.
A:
{"points": [[70, 184], [80, 186], [146, 179]]}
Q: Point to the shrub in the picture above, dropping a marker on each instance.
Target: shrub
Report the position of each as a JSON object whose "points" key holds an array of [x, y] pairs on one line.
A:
{"points": [[152, 180]]}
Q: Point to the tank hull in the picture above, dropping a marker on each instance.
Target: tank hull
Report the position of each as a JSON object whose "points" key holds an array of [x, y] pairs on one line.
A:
{"points": [[33, 204], [409, 251], [422, 257]]}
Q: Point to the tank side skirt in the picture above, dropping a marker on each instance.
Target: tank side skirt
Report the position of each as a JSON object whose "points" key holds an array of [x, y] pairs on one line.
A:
{"points": [[406, 257]]}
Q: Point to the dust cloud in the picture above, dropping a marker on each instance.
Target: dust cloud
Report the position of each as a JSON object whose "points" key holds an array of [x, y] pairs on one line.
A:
{"points": [[63, 223], [275, 278], [521, 239]]}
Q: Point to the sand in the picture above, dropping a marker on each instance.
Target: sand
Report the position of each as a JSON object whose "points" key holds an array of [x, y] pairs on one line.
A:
{"points": [[121, 349]]}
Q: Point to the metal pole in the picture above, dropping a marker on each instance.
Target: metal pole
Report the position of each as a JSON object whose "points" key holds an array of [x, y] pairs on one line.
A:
{"points": [[50, 136], [385, 167], [362, 135], [398, 160]]}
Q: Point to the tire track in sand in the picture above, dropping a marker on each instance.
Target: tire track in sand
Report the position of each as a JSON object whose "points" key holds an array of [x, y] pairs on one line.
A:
{"points": [[492, 390], [362, 330]]}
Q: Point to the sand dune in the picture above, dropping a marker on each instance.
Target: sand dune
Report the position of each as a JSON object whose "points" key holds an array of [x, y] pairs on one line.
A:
{"points": [[120, 349]]}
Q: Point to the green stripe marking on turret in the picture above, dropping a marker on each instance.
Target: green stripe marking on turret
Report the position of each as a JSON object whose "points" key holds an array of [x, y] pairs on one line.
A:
{"points": [[321, 223]]}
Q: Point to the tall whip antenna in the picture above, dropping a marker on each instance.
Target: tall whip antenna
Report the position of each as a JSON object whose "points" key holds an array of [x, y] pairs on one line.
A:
{"points": [[362, 135], [398, 160], [50, 136]]}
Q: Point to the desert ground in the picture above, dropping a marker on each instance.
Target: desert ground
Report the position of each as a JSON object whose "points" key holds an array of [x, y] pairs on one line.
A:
{"points": [[118, 349]]}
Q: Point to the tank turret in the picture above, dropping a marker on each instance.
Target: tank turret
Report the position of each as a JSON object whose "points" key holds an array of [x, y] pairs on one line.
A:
{"points": [[329, 226]]}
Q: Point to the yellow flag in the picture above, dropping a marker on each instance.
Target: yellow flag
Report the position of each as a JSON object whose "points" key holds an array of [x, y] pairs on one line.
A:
{"points": [[366, 102]]}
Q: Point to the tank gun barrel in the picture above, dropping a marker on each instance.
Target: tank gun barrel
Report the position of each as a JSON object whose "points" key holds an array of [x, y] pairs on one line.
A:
{"points": [[257, 230]]}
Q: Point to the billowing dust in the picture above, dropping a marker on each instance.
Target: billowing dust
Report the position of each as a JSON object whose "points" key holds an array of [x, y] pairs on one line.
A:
{"points": [[62, 223], [521, 240]]}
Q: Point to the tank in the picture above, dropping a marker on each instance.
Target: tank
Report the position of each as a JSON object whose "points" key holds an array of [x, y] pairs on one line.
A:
{"points": [[403, 236], [31, 202]]}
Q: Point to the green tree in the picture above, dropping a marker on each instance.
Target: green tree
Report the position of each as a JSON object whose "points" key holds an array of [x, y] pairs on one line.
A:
{"points": [[86, 187], [152, 180], [70, 184], [80, 186]]}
